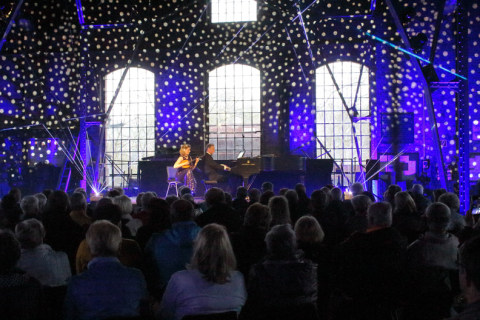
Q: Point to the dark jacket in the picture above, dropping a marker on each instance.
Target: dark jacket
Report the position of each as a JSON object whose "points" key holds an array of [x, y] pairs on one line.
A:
{"points": [[211, 167], [222, 214], [249, 247], [281, 281]]}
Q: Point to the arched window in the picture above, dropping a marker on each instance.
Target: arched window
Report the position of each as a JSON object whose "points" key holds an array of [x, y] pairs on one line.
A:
{"points": [[130, 129], [234, 111], [333, 125], [234, 10]]}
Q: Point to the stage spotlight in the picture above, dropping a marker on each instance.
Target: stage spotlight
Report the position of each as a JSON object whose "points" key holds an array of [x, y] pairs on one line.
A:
{"points": [[430, 73], [418, 42]]}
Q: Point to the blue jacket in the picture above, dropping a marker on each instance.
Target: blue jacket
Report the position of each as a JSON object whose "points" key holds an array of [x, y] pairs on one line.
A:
{"points": [[171, 250], [107, 289]]}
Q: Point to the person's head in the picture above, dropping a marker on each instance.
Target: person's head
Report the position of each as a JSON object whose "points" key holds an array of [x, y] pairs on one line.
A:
{"points": [[451, 200], [438, 217], [326, 190], [292, 197], [47, 192], [437, 193], [242, 193], [185, 150], [417, 189], [267, 186], [254, 195], [81, 190], [258, 216], [213, 254], [228, 199], [42, 201], [29, 205], [30, 233], [336, 194], [104, 239], [113, 193], [110, 212], [361, 203], [8, 202], [266, 196], [103, 201], [279, 210], [307, 229], [124, 203], [171, 199], [9, 251], [356, 188], [16, 193], [379, 215], [282, 191], [469, 269], [281, 240], [300, 189], [78, 202], [138, 201], [185, 190], [159, 214], [189, 198], [210, 148], [147, 196], [318, 199], [404, 202], [58, 202], [182, 210], [214, 196]]}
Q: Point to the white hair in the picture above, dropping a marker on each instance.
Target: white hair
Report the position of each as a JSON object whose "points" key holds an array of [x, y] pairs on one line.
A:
{"points": [[104, 239]]}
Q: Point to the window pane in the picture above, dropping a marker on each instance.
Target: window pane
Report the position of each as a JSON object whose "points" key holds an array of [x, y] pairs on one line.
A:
{"points": [[234, 10]]}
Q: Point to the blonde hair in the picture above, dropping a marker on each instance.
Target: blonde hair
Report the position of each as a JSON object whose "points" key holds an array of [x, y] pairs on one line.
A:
{"points": [[404, 201], [307, 229], [213, 254], [183, 148]]}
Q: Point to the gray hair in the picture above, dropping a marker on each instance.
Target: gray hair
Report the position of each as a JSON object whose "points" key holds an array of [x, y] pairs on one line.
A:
{"points": [[356, 188], [417, 188], [42, 200], [380, 214], [451, 200], [281, 239], [208, 146], [30, 233], [104, 239], [29, 205], [78, 201], [361, 203], [438, 216], [147, 196], [124, 203]]}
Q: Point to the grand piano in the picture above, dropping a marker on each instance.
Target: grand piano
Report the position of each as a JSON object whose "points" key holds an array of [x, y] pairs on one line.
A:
{"points": [[283, 172]]}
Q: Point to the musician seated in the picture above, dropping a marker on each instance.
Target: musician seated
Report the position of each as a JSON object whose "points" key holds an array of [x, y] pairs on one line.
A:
{"points": [[220, 172]]}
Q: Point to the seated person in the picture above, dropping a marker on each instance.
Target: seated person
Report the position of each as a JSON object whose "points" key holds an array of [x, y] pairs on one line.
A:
{"points": [[39, 260], [283, 281], [219, 212], [107, 289], [219, 172], [211, 284], [20, 294]]}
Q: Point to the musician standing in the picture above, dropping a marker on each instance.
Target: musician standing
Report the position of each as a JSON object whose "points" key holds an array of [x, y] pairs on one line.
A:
{"points": [[185, 166]]}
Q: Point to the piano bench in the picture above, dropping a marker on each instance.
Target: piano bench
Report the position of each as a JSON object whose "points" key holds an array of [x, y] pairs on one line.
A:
{"points": [[209, 184]]}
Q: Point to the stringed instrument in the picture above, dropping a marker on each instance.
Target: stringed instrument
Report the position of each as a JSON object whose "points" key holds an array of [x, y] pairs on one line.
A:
{"points": [[188, 163]]}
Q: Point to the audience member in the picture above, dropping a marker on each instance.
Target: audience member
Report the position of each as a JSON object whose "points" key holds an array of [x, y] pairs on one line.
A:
{"points": [[406, 219], [282, 191], [279, 211], [169, 251], [437, 193], [78, 205], [249, 243], [254, 195], [267, 186], [265, 197], [158, 220], [371, 271], [107, 289], [421, 202], [125, 204], [38, 260], [129, 253], [284, 283], [210, 284], [20, 294], [457, 222], [304, 203], [11, 212], [219, 212], [240, 203], [359, 222], [42, 202], [30, 207]]}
